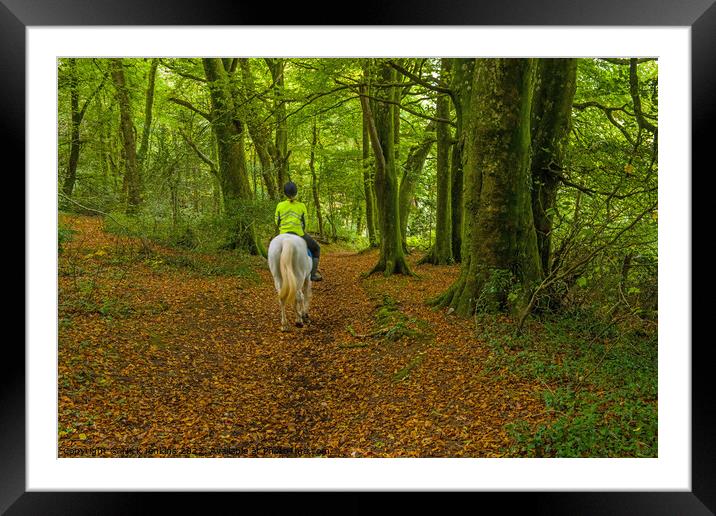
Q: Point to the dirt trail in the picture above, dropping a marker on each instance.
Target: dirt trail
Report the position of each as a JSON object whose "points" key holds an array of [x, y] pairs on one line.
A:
{"points": [[197, 365]]}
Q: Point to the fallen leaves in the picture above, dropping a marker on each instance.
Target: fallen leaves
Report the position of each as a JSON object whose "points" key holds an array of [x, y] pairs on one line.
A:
{"points": [[197, 364]]}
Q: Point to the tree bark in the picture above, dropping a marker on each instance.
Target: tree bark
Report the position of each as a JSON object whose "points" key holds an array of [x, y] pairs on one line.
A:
{"points": [[551, 116], [443, 223], [149, 102], [382, 137], [131, 175], [314, 181], [260, 139], [412, 170], [277, 67], [441, 252], [77, 115], [503, 265], [462, 77], [71, 176], [233, 176], [368, 177]]}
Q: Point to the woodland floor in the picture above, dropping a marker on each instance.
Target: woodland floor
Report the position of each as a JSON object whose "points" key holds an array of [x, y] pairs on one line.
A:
{"points": [[161, 357]]}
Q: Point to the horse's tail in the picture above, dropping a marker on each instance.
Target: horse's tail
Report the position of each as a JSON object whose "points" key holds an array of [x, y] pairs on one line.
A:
{"points": [[287, 294]]}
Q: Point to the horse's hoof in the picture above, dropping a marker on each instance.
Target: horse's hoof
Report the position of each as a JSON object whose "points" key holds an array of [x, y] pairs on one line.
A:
{"points": [[285, 328], [299, 324], [306, 319]]}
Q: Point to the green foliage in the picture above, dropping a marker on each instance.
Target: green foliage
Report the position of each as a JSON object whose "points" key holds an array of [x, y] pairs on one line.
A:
{"points": [[500, 291], [64, 236], [600, 385], [217, 264], [207, 233], [589, 425]]}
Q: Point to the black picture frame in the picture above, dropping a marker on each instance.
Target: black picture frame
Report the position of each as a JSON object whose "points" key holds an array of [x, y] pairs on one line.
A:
{"points": [[700, 15]]}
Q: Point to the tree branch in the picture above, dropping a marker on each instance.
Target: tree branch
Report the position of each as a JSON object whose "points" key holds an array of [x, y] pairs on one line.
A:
{"points": [[420, 80], [372, 131], [634, 91], [183, 74], [557, 275], [96, 90], [190, 106], [411, 111], [212, 166], [608, 112]]}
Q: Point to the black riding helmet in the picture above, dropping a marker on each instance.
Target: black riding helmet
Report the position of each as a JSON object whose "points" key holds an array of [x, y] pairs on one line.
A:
{"points": [[290, 189]]}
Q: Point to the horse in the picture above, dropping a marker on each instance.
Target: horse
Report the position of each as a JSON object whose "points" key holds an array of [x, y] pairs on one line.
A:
{"points": [[290, 266]]}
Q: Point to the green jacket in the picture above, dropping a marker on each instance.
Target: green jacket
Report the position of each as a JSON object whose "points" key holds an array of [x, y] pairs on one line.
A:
{"points": [[290, 217]]}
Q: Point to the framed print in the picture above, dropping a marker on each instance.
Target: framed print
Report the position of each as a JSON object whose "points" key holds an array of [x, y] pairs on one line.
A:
{"points": [[45, 42]]}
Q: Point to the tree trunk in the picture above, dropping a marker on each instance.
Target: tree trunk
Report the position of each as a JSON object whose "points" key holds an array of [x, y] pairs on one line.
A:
{"points": [[149, 102], [314, 181], [359, 218], [368, 179], [411, 173], [456, 196], [503, 265], [462, 77], [233, 176], [131, 176], [382, 137], [441, 252], [77, 115], [277, 67], [551, 116], [71, 177], [443, 224], [261, 140]]}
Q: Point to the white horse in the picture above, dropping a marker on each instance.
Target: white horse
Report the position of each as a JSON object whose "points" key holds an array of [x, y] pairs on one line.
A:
{"points": [[290, 266]]}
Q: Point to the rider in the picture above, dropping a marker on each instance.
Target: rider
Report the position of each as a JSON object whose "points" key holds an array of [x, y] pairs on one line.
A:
{"points": [[291, 218]]}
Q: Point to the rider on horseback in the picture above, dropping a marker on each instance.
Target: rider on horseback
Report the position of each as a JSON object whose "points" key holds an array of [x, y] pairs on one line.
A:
{"points": [[291, 218]]}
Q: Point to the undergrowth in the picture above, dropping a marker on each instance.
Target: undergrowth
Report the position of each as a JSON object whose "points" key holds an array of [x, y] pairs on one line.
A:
{"points": [[395, 326], [599, 385]]}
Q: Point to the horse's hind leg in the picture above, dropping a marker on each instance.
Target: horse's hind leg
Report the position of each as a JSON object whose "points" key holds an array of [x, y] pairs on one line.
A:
{"points": [[284, 321], [306, 300], [299, 309]]}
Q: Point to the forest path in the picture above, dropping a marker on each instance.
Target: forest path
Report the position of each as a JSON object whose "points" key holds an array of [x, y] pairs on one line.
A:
{"points": [[157, 357]]}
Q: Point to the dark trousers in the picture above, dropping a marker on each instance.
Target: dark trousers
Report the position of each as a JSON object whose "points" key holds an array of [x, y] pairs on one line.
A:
{"points": [[312, 244]]}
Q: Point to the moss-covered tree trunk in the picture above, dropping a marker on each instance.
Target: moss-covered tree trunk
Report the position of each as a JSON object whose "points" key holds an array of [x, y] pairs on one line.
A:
{"points": [[443, 223], [258, 133], [131, 175], [369, 188], [461, 84], [441, 252], [281, 153], [148, 108], [382, 138], [371, 208], [502, 264], [71, 176], [412, 171], [551, 117], [314, 179], [233, 176]]}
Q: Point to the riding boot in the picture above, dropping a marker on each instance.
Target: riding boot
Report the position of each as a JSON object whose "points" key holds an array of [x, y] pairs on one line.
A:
{"points": [[315, 275]]}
